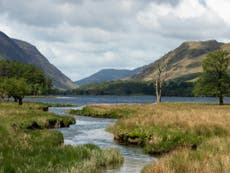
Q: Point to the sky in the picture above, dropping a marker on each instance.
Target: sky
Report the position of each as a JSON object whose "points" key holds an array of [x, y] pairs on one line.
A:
{"points": [[81, 37]]}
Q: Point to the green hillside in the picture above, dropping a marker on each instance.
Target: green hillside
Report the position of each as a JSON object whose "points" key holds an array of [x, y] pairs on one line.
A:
{"points": [[17, 50]]}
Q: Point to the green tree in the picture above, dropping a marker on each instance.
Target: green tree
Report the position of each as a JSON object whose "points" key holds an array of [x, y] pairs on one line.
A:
{"points": [[34, 76], [17, 88], [3, 92], [215, 79], [5, 87]]}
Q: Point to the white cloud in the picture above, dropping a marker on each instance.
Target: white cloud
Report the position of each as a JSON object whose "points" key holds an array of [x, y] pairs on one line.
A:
{"points": [[220, 8], [189, 19], [188, 9], [81, 37], [152, 16]]}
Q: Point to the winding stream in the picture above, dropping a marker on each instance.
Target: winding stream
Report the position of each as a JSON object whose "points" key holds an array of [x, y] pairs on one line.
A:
{"points": [[92, 130]]}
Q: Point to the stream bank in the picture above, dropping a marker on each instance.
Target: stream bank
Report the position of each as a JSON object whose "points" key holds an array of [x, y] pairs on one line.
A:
{"points": [[92, 130]]}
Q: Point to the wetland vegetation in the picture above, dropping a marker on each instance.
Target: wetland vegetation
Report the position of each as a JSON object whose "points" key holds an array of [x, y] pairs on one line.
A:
{"points": [[27, 145], [188, 137]]}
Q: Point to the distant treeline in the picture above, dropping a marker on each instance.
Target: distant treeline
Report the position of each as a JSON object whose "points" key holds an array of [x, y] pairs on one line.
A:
{"points": [[170, 88], [18, 80], [177, 87]]}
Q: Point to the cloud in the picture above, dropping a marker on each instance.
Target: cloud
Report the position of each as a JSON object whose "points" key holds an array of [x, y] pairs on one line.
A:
{"points": [[220, 8], [83, 36], [188, 20]]}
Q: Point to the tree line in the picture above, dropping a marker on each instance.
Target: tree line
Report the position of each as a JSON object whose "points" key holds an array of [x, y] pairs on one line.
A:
{"points": [[18, 80], [120, 87]]}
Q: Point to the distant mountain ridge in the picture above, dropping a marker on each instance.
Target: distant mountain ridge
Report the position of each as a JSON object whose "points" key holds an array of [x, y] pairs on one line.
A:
{"points": [[17, 50], [183, 68], [184, 60], [108, 75]]}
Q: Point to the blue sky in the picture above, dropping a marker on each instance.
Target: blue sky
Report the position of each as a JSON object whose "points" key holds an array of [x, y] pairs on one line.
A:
{"points": [[81, 37]]}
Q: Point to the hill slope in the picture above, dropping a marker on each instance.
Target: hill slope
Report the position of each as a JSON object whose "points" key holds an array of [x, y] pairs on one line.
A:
{"points": [[107, 75], [17, 50], [184, 65], [184, 60]]}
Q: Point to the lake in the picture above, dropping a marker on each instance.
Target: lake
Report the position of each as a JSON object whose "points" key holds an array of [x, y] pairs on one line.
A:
{"points": [[82, 100]]}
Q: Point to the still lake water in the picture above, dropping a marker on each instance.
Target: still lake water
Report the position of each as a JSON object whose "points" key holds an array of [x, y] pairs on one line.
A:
{"points": [[83, 100], [92, 130]]}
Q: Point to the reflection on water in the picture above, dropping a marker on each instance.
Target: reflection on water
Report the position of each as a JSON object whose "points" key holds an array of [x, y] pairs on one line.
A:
{"points": [[92, 130]]}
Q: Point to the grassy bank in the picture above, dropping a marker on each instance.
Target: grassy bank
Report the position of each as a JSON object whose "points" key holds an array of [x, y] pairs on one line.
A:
{"points": [[189, 137], [103, 111], [28, 146]]}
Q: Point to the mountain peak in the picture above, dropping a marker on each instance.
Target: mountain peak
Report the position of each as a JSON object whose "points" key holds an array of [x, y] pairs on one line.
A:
{"points": [[107, 75], [185, 59], [201, 44]]}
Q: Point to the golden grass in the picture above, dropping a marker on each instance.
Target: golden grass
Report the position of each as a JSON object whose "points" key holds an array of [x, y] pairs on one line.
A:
{"points": [[213, 156], [181, 114], [174, 127]]}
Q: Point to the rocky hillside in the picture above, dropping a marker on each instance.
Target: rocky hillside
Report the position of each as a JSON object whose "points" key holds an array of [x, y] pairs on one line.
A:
{"points": [[184, 60], [108, 75], [17, 50]]}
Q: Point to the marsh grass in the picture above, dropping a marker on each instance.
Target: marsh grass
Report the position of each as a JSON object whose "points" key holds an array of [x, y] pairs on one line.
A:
{"points": [[212, 156], [189, 137], [103, 111], [27, 146]]}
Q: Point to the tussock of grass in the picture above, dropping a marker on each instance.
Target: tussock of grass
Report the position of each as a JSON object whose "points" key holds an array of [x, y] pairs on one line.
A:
{"points": [[28, 146], [103, 111], [212, 156], [194, 136]]}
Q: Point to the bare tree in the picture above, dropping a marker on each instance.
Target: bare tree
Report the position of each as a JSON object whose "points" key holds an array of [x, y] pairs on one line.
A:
{"points": [[160, 76]]}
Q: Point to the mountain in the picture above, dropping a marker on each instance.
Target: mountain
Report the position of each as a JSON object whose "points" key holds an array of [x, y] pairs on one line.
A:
{"points": [[183, 61], [17, 50], [183, 67], [107, 75]]}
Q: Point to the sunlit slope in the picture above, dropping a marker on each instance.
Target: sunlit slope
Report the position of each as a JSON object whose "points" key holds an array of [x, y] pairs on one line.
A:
{"points": [[184, 60]]}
